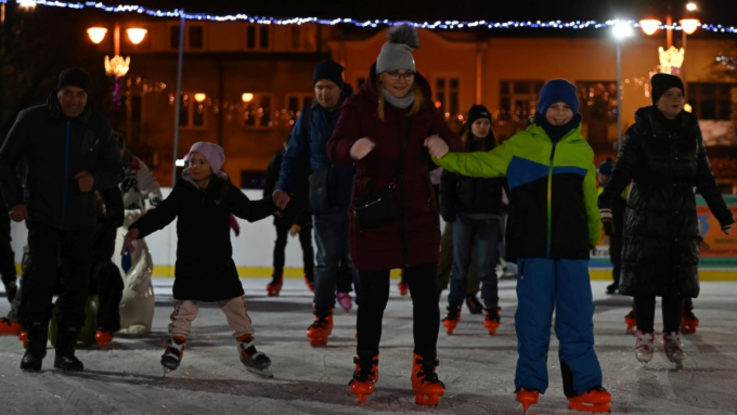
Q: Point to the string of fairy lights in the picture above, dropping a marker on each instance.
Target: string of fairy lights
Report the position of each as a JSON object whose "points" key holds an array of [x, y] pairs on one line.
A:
{"points": [[435, 25]]}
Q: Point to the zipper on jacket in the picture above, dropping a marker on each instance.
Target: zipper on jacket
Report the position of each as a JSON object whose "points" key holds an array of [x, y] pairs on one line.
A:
{"points": [[550, 201], [66, 176]]}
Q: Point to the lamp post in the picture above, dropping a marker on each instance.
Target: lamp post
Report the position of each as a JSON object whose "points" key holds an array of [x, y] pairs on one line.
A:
{"points": [[688, 24], [117, 66], [621, 31]]}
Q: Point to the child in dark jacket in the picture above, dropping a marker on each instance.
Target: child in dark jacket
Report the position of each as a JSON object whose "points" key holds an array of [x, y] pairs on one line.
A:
{"points": [[205, 270], [553, 225]]}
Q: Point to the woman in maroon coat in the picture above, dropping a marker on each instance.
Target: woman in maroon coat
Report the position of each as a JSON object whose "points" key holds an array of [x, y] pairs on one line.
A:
{"points": [[389, 130]]}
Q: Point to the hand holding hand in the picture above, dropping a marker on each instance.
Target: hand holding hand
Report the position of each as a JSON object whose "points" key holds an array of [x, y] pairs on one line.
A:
{"points": [[281, 199], [436, 146]]}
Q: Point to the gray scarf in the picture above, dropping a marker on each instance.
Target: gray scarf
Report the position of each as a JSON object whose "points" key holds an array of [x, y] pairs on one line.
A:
{"points": [[401, 103]]}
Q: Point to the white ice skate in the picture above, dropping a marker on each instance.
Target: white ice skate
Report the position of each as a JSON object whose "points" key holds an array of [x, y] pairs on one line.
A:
{"points": [[674, 348], [644, 347]]}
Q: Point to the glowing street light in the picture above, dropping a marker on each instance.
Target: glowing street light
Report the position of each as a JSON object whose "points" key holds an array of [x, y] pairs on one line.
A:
{"points": [[136, 35], [27, 4], [97, 34], [650, 26], [690, 25], [691, 7], [622, 30], [200, 97], [247, 97]]}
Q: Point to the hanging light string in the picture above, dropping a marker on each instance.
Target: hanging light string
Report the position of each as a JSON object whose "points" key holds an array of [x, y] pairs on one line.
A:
{"points": [[436, 25]]}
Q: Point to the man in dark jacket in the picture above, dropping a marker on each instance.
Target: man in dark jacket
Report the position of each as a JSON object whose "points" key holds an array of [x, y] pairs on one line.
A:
{"points": [[69, 153], [330, 187]]}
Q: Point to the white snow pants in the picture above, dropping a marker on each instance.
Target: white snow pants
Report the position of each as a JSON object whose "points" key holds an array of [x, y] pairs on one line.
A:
{"points": [[235, 311]]}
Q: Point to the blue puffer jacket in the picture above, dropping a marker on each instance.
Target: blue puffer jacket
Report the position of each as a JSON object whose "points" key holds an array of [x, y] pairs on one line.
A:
{"points": [[311, 146]]}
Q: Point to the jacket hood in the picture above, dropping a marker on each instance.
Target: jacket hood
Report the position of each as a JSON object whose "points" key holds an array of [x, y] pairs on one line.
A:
{"points": [[56, 113], [370, 87]]}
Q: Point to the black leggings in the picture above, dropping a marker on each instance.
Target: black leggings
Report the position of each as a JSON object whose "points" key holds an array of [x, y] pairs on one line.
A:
{"points": [[425, 310], [645, 313]]}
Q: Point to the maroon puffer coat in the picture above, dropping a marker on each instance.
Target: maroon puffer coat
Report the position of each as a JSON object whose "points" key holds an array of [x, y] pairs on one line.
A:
{"points": [[415, 239]]}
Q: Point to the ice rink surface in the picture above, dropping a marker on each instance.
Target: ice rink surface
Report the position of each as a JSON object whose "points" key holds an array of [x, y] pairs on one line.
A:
{"points": [[478, 369]]}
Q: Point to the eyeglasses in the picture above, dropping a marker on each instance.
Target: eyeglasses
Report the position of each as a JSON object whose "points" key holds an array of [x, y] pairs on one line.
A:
{"points": [[395, 75]]}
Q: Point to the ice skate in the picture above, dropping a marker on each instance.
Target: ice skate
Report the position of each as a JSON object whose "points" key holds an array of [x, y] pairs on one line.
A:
{"points": [[674, 349], [689, 322], [23, 336], [274, 287], [173, 354], [321, 328], [473, 304], [344, 299], [403, 288], [527, 397], [491, 319], [9, 328], [66, 341], [644, 347], [630, 321], [103, 337], [593, 400], [425, 384], [365, 376], [254, 361], [452, 317]]}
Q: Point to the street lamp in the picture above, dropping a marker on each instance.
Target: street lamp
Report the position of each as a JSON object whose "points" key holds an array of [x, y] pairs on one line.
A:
{"points": [[247, 97], [621, 31], [117, 66]]}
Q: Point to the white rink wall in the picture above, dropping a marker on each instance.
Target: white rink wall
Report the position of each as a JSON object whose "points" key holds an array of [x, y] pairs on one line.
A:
{"points": [[253, 248]]}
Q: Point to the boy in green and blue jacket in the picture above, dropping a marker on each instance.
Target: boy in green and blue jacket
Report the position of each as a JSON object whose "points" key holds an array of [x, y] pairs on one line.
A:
{"points": [[553, 225]]}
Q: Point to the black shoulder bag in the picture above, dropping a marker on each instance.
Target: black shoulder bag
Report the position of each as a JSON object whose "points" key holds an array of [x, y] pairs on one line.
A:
{"points": [[381, 207]]}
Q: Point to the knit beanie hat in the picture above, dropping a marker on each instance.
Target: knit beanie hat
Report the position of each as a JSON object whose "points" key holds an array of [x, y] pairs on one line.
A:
{"points": [[74, 77], [476, 112], [558, 90], [212, 152], [662, 82], [330, 70], [606, 167], [395, 54]]}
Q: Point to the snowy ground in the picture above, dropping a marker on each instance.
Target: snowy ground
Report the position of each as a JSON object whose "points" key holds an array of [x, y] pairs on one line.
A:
{"points": [[478, 370]]}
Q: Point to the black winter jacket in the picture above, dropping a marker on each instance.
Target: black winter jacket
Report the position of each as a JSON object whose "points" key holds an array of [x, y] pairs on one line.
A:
{"points": [[56, 149], [665, 161], [205, 270]]}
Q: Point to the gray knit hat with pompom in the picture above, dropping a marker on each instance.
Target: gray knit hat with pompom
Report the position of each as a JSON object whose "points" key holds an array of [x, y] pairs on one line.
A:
{"points": [[395, 54]]}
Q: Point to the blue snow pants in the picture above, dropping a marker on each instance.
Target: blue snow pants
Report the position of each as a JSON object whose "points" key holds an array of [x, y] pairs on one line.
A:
{"points": [[544, 285]]}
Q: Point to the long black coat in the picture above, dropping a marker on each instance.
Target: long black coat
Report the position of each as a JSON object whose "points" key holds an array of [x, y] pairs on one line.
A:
{"points": [[665, 161], [205, 270]]}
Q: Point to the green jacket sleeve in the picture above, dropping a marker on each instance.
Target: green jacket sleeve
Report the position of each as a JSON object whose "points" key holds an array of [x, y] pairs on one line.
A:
{"points": [[590, 195], [489, 164]]}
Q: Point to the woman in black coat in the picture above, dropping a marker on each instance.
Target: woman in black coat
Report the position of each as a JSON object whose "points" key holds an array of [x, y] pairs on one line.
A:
{"points": [[663, 154], [205, 271]]}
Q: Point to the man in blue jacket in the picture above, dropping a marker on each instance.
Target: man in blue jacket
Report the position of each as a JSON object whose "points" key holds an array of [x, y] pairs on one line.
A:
{"points": [[330, 189], [69, 153]]}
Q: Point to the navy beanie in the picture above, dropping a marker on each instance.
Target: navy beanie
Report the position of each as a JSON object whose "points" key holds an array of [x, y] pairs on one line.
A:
{"points": [[330, 70], [662, 82], [558, 90], [476, 112], [74, 77], [606, 167]]}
